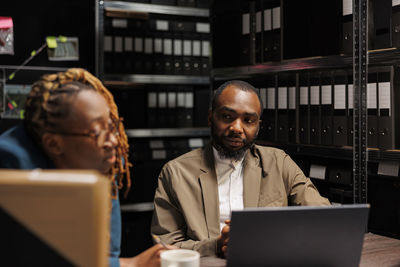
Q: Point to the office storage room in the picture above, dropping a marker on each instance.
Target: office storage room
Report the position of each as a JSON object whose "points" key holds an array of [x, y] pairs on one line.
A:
{"points": [[200, 133]]}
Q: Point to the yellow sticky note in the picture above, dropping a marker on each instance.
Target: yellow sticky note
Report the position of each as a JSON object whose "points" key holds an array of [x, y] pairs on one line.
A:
{"points": [[11, 76], [33, 53], [21, 114], [51, 41], [14, 104], [62, 39]]}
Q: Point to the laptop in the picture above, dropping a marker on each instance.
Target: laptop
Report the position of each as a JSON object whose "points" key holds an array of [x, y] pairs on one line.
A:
{"points": [[54, 218], [297, 236]]}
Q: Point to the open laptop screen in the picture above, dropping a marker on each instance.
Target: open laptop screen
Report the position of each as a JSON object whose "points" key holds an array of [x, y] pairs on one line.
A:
{"points": [[297, 236]]}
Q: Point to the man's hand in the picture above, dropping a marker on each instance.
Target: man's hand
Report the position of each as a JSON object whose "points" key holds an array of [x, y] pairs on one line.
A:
{"points": [[223, 239], [148, 258]]}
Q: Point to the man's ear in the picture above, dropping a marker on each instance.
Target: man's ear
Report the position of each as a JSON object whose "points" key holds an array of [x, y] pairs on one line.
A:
{"points": [[209, 117], [53, 144]]}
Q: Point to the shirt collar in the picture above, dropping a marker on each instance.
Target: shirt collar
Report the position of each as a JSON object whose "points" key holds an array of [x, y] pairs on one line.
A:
{"points": [[219, 161]]}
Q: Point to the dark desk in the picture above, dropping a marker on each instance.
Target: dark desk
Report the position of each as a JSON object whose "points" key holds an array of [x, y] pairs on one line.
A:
{"points": [[377, 251]]}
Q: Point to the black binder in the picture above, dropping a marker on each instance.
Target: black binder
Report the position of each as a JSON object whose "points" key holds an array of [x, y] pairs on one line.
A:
{"points": [[386, 130], [347, 27], [382, 19], [326, 109], [396, 25], [172, 109], [259, 43], [372, 107], [350, 109], [276, 34], [148, 53], [158, 60], [152, 109], [201, 104], [282, 109], [187, 55], [196, 52], [162, 107], [168, 53], [339, 113], [304, 109], [247, 42], [292, 111], [177, 54], [270, 114], [315, 109], [267, 31]]}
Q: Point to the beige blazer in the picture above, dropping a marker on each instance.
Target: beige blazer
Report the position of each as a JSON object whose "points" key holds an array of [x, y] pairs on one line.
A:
{"points": [[186, 201]]}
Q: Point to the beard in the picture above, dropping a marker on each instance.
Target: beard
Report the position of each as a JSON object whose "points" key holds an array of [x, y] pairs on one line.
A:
{"points": [[226, 152]]}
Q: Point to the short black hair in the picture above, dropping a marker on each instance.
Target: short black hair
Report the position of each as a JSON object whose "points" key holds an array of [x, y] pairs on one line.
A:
{"points": [[241, 85]]}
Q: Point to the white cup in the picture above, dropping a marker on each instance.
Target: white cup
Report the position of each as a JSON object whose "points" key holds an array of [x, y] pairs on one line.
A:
{"points": [[180, 258]]}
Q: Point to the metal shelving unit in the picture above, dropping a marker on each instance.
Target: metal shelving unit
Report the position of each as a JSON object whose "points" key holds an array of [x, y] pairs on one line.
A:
{"points": [[168, 132], [158, 79], [120, 6], [376, 57]]}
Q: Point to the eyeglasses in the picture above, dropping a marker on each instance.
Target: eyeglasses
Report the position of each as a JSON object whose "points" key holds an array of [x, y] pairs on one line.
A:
{"points": [[101, 137]]}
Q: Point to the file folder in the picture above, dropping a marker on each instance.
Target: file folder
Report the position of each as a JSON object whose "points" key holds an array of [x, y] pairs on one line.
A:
{"points": [[372, 107], [339, 112], [385, 132], [128, 55], [315, 110], [282, 110], [326, 109], [304, 116]]}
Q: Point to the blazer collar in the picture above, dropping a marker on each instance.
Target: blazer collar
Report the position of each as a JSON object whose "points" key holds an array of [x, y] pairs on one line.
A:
{"points": [[251, 179], [209, 190]]}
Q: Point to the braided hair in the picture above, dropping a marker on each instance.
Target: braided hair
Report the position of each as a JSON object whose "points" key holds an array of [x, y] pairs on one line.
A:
{"points": [[47, 103]]}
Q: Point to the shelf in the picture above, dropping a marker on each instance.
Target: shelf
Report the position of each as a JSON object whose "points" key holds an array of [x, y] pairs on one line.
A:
{"points": [[38, 68], [345, 152], [153, 79], [137, 207], [381, 57], [168, 132], [119, 6]]}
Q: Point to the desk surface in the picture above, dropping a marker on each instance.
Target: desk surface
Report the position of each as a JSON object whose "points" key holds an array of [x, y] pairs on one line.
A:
{"points": [[377, 251]]}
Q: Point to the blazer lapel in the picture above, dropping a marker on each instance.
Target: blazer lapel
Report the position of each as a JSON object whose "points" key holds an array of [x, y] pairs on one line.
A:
{"points": [[209, 190], [251, 181]]}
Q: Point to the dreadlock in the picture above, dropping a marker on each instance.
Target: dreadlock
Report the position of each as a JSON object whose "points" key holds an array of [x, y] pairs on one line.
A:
{"points": [[47, 103]]}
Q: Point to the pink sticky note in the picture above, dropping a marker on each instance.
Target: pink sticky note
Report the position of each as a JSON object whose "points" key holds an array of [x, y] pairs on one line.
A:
{"points": [[6, 22]]}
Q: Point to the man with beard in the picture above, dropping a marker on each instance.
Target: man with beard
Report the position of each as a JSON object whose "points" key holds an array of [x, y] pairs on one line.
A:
{"points": [[198, 190]]}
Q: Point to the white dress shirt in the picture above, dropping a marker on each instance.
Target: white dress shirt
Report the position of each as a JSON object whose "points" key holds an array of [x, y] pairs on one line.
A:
{"points": [[230, 186]]}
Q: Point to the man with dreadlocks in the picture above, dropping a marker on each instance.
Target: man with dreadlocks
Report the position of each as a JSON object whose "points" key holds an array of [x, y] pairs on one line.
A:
{"points": [[71, 122]]}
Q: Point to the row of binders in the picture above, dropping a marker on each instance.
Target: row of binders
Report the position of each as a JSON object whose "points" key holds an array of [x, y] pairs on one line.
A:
{"points": [[183, 3], [168, 108], [157, 46], [164, 149], [163, 106], [317, 108], [272, 30]]}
